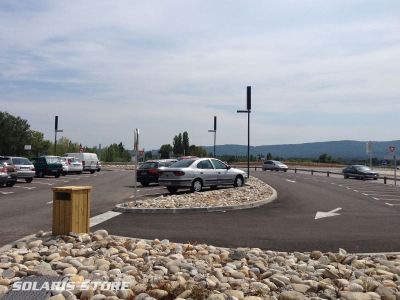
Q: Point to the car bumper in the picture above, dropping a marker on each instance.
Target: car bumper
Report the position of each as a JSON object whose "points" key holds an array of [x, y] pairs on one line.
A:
{"points": [[177, 183], [26, 174]]}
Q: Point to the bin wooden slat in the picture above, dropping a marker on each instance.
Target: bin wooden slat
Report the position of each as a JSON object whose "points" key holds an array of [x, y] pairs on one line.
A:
{"points": [[71, 209]]}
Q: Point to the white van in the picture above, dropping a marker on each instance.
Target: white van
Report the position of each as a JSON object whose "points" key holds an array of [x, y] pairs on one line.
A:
{"points": [[90, 162]]}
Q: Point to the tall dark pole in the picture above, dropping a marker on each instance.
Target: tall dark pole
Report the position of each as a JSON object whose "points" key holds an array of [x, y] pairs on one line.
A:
{"points": [[248, 111], [215, 132], [55, 134]]}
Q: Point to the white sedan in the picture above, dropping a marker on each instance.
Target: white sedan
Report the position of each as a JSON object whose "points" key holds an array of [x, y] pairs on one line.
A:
{"points": [[71, 165]]}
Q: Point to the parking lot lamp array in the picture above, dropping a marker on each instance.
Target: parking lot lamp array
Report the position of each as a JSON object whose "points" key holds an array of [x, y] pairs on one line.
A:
{"points": [[248, 111], [215, 132]]}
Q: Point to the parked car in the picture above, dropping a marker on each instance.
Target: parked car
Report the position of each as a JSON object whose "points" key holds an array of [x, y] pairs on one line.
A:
{"points": [[198, 173], [274, 165], [148, 172], [360, 172], [24, 168], [89, 160], [48, 165], [187, 157], [71, 165], [8, 175]]}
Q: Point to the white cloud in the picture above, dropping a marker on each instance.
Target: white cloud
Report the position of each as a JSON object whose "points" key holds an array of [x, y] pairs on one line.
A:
{"points": [[107, 67]]}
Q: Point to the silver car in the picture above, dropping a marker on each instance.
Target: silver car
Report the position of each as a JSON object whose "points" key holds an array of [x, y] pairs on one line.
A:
{"points": [[198, 173], [24, 167]]}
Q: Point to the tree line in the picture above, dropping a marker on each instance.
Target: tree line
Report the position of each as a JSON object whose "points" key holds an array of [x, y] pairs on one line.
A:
{"points": [[181, 147], [16, 132]]}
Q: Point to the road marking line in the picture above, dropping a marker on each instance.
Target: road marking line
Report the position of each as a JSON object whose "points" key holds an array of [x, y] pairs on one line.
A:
{"points": [[391, 204], [103, 217], [376, 198], [6, 193], [333, 183], [355, 191], [365, 194], [288, 180], [25, 187], [50, 202], [44, 183]]}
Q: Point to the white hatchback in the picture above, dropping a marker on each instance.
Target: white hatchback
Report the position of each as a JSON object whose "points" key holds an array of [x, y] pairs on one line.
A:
{"points": [[71, 165]]}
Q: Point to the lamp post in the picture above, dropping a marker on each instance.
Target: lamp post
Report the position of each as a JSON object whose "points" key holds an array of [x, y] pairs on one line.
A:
{"points": [[215, 132], [55, 134], [248, 111]]}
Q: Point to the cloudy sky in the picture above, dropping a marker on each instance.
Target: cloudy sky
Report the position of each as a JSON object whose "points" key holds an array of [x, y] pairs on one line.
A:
{"points": [[319, 70]]}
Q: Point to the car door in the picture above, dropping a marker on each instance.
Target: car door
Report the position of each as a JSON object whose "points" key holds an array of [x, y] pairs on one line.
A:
{"points": [[207, 173], [224, 176]]}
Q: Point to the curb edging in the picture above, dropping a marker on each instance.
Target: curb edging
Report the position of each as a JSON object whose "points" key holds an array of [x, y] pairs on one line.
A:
{"points": [[123, 209]]}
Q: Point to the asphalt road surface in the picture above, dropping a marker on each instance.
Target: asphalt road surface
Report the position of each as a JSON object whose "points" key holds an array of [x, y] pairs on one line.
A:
{"points": [[27, 207], [365, 215], [365, 222]]}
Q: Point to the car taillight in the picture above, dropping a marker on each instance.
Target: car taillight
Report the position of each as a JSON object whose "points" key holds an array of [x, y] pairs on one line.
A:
{"points": [[3, 169], [32, 168], [153, 171], [179, 173]]}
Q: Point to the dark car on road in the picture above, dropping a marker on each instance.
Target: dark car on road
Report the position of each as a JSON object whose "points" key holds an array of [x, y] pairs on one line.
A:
{"points": [[148, 172], [48, 165], [359, 172], [8, 175]]}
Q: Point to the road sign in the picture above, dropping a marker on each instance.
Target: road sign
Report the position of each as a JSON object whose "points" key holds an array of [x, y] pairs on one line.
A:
{"points": [[392, 149], [28, 147]]}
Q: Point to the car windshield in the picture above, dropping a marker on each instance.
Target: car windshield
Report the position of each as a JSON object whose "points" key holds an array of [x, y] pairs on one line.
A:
{"points": [[149, 165], [5, 160], [182, 163], [53, 160], [21, 161], [363, 168]]}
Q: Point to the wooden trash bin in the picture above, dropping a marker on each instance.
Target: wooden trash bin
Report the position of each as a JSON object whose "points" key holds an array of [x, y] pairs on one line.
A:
{"points": [[71, 209]]}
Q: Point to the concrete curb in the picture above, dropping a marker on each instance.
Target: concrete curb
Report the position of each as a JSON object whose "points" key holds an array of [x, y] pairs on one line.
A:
{"points": [[123, 209]]}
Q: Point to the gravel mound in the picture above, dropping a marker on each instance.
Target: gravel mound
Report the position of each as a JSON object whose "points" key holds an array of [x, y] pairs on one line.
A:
{"points": [[165, 270]]}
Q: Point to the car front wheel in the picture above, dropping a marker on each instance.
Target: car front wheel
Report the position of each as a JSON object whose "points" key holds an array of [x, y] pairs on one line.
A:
{"points": [[172, 189], [28, 180], [57, 175], [144, 183], [197, 186], [238, 181], [10, 183]]}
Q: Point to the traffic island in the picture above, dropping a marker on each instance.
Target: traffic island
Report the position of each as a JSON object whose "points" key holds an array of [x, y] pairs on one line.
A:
{"points": [[253, 194]]}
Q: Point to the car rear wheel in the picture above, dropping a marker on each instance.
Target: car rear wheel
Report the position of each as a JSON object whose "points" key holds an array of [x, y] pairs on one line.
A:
{"points": [[197, 186], [144, 183], [172, 189], [57, 175], [92, 171], [238, 181], [10, 183], [346, 176], [28, 180]]}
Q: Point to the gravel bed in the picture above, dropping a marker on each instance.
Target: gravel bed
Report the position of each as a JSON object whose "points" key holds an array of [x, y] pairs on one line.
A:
{"points": [[254, 190], [165, 270]]}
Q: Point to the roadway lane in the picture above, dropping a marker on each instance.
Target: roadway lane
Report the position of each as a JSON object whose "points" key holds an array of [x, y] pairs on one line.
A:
{"points": [[27, 208], [288, 224]]}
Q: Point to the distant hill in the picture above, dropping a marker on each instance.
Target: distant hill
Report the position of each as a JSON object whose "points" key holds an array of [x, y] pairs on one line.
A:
{"points": [[337, 149]]}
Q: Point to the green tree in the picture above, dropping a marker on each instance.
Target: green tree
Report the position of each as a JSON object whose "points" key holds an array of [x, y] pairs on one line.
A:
{"points": [[178, 145], [197, 151], [39, 144], [185, 143], [269, 156], [165, 150], [15, 133]]}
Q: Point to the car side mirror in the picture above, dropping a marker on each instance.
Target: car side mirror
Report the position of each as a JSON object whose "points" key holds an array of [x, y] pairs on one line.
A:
{"points": [[228, 167]]}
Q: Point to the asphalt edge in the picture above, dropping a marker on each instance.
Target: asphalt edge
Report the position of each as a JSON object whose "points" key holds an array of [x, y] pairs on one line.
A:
{"points": [[123, 209]]}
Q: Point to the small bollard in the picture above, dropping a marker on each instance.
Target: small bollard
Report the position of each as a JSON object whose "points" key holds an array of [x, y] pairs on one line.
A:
{"points": [[384, 179], [327, 174], [312, 172]]}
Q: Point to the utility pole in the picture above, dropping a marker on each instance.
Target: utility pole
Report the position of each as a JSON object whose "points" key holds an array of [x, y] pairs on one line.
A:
{"points": [[248, 111], [215, 132]]}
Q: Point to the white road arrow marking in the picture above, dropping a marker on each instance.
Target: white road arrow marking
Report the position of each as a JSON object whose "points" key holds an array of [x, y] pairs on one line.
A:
{"points": [[332, 213], [290, 180], [391, 204]]}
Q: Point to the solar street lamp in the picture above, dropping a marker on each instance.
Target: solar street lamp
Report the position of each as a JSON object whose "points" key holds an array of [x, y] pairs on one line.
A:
{"points": [[248, 111], [215, 132]]}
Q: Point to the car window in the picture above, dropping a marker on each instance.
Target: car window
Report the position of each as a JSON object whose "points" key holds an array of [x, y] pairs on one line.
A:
{"points": [[183, 163], [363, 168], [268, 162], [149, 165], [21, 161], [53, 160], [205, 164], [169, 163], [218, 164], [6, 160]]}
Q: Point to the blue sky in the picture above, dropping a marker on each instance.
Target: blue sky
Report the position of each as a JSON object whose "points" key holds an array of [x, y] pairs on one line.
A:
{"points": [[319, 70]]}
